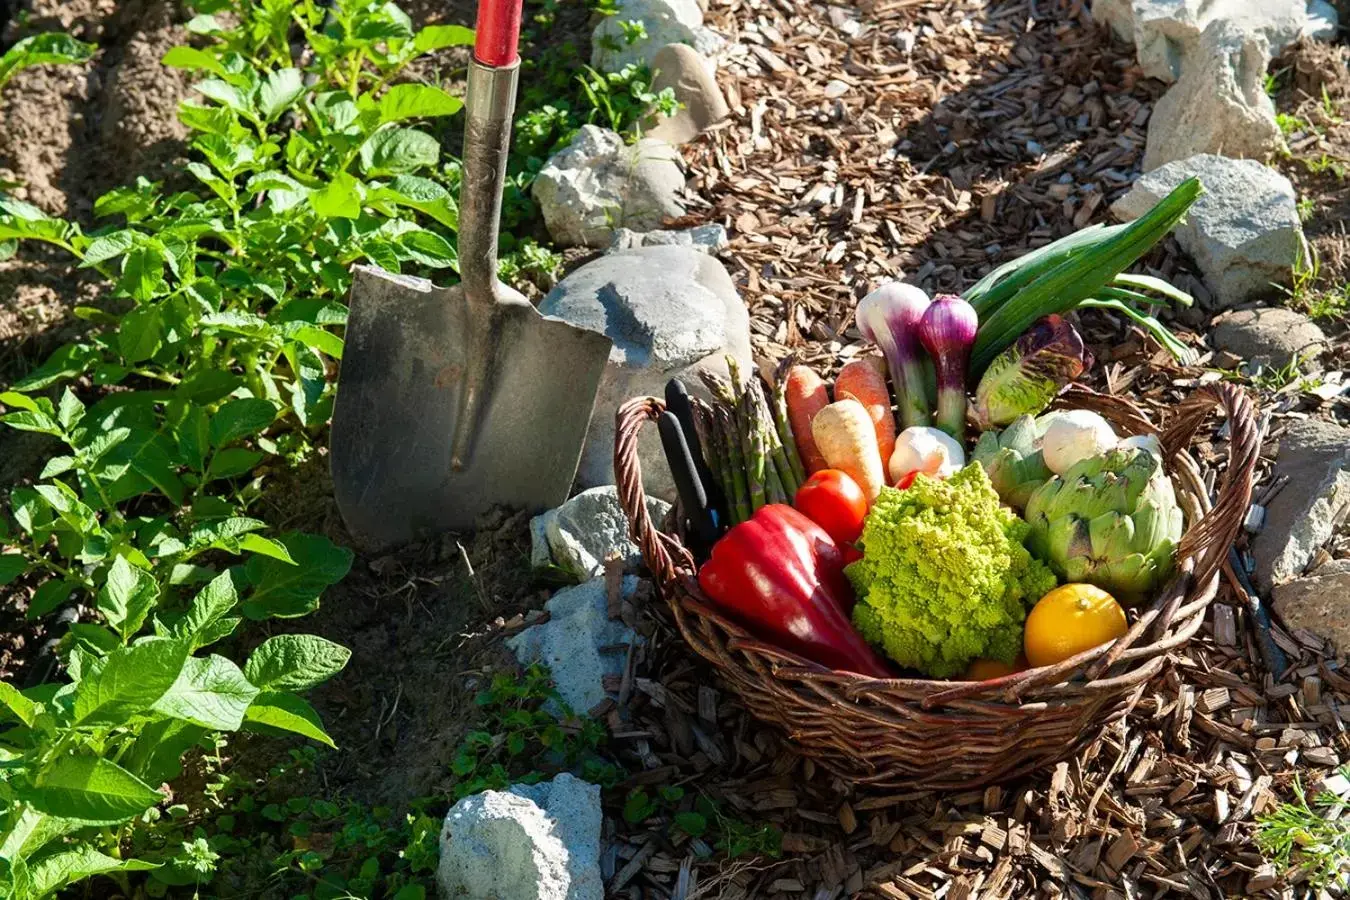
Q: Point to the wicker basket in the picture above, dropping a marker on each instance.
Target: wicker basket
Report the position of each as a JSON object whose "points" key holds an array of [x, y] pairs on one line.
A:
{"points": [[919, 733]]}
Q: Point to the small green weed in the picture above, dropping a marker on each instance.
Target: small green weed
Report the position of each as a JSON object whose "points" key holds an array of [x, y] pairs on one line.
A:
{"points": [[1291, 124], [1327, 165], [619, 100], [1274, 81], [1304, 295], [1329, 107], [526, 722], [701, 817], [1312, 835], [262, 838], [1274, 379]]}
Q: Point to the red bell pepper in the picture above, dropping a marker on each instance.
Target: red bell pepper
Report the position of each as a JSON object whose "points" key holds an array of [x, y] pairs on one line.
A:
{"points": [[782, 576]]}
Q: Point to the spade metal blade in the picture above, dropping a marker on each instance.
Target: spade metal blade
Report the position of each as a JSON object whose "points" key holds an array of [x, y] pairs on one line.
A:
{"points": [[411, 349]]}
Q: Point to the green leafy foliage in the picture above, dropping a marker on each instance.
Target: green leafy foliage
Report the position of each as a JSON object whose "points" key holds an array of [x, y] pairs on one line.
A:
{"points": [[282, 841], [222, 329], [1311, 834], [526, 720], [701, 817], [40, 49]]}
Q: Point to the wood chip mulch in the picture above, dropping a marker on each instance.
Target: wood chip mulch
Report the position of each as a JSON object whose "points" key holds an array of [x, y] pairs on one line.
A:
{"points": [[932, 141], [1165, 801]]}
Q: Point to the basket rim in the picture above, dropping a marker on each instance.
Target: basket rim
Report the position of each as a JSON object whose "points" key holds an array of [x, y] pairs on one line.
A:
{"points": [[1174, 616]]}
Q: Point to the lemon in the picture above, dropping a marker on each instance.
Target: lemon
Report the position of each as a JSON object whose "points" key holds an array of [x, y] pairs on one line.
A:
{"points": [[1070, 619]]}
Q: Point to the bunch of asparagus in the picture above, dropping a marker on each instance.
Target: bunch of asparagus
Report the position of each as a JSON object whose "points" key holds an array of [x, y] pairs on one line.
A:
{"points": [[748, 442]]}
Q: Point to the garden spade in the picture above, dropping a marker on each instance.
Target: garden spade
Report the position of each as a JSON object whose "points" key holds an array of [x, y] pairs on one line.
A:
{"points": [[454, 401]]}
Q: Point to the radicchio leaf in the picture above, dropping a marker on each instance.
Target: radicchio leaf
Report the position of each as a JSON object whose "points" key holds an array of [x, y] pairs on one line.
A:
{"points": [[1023, 379]]}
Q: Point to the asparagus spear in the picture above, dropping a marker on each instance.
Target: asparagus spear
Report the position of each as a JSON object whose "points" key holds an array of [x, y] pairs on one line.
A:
{"points": [[719, 387], [738, 491], [754, 451], [709, 438], [780, 420], [777, 452], [773, 484]]}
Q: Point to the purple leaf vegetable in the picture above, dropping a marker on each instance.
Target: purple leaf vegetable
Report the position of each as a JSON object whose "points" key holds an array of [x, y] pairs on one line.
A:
{"points": [[947, 332], [1024, 378], [889, 317]]}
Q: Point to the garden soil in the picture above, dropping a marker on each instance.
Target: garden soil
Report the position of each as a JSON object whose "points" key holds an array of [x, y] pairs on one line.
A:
{"points": [[884, 139]]}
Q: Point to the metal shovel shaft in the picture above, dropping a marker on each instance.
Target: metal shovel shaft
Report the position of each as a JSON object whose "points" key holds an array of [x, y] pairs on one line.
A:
{"points": [[487, 141], [454, 401]]}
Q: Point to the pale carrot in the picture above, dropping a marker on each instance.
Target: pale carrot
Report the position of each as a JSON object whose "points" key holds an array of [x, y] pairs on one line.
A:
{"points": [[865, 381], [848, 440], [806, 396]]}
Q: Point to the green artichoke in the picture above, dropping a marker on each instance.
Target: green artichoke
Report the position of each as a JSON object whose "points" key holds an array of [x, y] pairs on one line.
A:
{"points": [[1111, 521], [1012, 461]]}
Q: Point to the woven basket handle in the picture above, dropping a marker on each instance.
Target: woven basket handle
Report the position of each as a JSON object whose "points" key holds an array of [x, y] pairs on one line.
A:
{"points": [[659, 552]]}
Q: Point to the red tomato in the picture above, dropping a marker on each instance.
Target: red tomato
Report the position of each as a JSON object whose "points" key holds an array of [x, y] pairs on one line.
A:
{"points": [[851, 553], [833, 500], [907, 479]]}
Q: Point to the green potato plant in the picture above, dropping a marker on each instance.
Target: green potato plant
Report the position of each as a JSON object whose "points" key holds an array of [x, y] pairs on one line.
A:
{"points": [[208, 365]]}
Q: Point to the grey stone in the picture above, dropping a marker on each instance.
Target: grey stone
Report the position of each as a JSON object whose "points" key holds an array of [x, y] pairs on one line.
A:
{"points": [[664, 21], [1320, 604], [598, 183], [579, 643], [1243, 232], [532, 842], [1166, 33], [690, 78], [1315, 456], [709, 238], [1118, 14], [1219, 105], [1324, 21], [580, 535], [1270, 336], [1332, 567], [671, 312]]}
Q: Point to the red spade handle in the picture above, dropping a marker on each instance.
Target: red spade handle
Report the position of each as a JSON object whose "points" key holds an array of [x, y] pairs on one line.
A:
{"points": [[498, 32]]}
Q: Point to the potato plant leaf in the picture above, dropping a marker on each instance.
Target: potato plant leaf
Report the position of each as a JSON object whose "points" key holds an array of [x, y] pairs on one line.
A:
{"points": [[127, 596], [295, 662], [210, 692], [287, 712], [52, 47], [398, 151], [90, 789], [413, 101], [51, 873], [128, 682], [284, 590], [438, 37]]}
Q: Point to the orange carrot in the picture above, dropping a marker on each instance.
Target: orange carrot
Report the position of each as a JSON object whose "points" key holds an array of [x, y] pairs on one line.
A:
{"points": [[806, 396], [865, 381]]}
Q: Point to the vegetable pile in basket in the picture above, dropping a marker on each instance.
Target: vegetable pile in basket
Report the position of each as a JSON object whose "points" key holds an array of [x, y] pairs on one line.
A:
{"points": [[873, 547]]}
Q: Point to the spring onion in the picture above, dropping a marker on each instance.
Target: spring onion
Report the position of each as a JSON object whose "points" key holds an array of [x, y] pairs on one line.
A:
{"points": [[947, 331], [889, 317], [1060, 276]]}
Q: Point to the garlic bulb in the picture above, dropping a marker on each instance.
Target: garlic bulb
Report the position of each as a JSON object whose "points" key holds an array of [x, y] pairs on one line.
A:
{"points": [[1073, 436], [930, 451]]}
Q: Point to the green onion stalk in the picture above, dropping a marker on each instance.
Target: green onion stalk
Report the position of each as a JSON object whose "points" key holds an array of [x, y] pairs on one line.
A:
{"points": [[1085, 266]]}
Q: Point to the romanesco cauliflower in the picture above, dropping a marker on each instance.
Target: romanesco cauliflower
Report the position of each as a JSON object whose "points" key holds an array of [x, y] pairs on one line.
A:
{"points": [[944, 578]]}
